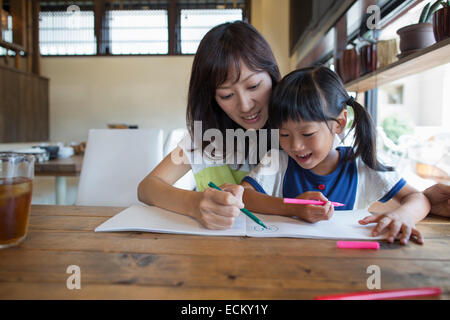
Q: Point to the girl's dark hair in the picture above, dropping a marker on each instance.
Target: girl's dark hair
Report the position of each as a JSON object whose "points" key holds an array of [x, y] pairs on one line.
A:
{"points": [[317, 94], [221, 49]]}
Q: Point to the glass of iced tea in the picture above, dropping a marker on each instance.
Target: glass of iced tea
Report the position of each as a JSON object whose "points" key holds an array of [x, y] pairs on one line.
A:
{"points": [[16, 185]]}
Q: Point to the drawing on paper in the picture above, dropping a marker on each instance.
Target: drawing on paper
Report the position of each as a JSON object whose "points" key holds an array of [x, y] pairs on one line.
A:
{"points": [[271, 228]]}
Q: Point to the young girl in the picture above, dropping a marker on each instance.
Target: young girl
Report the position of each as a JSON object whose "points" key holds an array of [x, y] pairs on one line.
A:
{"points": [[309, 107], [232, 77]]}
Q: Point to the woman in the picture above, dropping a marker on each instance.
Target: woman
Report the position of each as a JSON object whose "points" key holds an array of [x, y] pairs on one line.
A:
{"points": [[233, 73]]}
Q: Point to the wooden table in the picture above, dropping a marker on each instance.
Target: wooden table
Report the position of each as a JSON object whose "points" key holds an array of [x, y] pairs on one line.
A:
{"points": [[131, 265], [60, 169]]}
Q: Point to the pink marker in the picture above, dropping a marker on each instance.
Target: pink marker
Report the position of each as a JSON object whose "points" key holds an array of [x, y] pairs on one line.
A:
{"points": [[386, 294], [358, 245], [314, 202]]}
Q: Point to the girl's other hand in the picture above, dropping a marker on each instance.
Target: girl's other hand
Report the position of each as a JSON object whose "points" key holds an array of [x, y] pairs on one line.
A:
{"points": [[399, 227], [313, 213], [218, 209]]}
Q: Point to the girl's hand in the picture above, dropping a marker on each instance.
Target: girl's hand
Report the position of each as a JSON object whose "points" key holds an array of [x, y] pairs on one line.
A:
{"points": [[218, 209], [399, 227], [313, 213]]}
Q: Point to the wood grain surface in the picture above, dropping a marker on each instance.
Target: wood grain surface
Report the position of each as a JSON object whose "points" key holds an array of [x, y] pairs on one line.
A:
{"points": [[134, 265]]}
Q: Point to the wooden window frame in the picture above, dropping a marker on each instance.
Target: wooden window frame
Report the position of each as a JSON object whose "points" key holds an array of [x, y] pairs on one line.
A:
{"points": [[173, 8]]}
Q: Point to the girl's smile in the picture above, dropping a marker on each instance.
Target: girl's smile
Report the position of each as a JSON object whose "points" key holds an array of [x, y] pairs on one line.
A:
{"points": [[303, 159]]}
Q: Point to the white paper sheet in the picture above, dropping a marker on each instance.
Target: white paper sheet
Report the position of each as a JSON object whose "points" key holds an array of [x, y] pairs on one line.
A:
{"points": [[154, 219], [343, 225]]}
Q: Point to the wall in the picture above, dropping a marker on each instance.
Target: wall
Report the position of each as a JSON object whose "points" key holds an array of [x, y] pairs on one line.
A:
{"points": [[271, 18], [90, 92]]}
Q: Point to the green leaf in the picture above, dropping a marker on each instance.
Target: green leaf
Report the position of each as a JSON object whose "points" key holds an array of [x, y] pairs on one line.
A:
{"points": [[424, 14], [432, 10]]}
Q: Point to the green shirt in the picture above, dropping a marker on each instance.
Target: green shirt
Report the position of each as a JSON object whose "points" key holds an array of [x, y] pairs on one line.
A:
{"points": [[206, 170]]}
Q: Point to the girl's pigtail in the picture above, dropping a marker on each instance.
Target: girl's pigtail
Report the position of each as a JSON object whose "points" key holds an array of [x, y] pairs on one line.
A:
{"points": [[365, 137]]}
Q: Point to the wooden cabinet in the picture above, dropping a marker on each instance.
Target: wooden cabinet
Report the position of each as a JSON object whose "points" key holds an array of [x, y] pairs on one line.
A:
{"points": [[24, 106]]}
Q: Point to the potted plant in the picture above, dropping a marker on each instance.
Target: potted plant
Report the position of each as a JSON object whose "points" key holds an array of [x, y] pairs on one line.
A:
{"points": [[420, 35], [441, 22]]}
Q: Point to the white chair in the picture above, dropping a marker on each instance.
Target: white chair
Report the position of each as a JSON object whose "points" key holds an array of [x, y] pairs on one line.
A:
{"points": [[187, 182], [172, 140], [115, 161]]}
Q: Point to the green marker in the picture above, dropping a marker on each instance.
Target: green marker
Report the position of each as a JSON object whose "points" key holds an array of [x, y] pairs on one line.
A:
{"points": [[248, 213]]}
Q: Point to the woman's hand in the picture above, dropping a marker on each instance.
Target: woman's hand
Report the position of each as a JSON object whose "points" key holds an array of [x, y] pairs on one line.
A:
{"points": [[439, 196], [218, 209], [313, 213], [398, 225]]}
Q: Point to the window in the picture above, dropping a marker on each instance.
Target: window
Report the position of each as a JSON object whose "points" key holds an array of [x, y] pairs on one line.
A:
{"points": [[6, 27], [138, 31], [67, 33], [414, 116], [416, 131], [389, 10], [132, 27], [6, 32], [195, 23]]}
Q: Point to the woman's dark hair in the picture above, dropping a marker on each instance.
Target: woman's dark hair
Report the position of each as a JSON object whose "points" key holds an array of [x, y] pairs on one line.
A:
{"points": [[221, 49], [317, 94]]}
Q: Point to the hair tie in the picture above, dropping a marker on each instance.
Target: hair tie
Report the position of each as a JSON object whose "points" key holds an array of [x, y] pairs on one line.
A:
{"points": [[350, 101]]}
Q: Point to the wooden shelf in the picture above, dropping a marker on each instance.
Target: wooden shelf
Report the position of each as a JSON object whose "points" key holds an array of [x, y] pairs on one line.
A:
{"points": [[433, 56]]}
